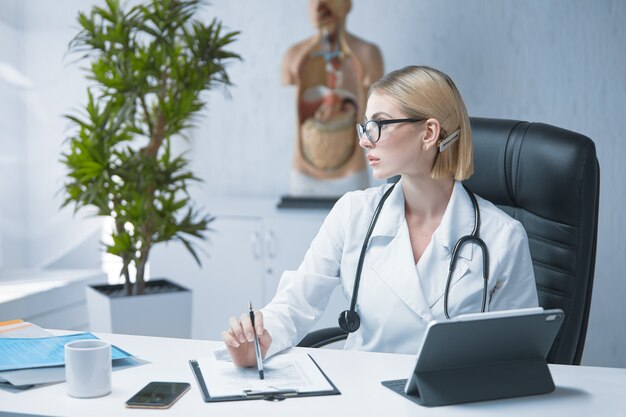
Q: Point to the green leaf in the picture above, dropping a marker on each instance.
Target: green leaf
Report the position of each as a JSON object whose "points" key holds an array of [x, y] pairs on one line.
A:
{"points": [[150, 64], [191, 250]]}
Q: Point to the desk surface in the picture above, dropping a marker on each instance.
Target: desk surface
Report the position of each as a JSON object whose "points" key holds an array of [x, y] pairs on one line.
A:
{"points": [[581, 391]]}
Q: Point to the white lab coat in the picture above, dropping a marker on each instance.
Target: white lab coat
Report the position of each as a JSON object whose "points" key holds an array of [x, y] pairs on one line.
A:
{"points": [[397, 298]]}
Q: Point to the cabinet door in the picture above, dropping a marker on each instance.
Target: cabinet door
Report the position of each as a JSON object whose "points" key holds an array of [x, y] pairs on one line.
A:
{"points": [[230, 277], [287, 238]]}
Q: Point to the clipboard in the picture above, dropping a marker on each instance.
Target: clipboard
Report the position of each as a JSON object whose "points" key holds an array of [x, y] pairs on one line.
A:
{"points": [[269, 395], [483, 356]]}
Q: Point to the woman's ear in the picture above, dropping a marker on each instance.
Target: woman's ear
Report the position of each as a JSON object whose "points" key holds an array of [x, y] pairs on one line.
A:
{"points": [[431, 136]]}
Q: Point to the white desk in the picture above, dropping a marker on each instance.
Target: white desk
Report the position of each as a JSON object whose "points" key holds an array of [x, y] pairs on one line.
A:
{"points": [[581, 391]]}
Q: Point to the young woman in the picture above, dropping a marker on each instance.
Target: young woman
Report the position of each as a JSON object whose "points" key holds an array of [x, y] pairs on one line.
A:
{"points": [[417, 127]]}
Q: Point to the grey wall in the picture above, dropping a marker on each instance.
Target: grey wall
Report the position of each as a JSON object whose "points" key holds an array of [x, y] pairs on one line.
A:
{"points": [[561, 62]]}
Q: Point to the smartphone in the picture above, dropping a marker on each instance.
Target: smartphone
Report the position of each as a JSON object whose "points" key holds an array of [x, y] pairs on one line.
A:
{"points": [[158, 395]]}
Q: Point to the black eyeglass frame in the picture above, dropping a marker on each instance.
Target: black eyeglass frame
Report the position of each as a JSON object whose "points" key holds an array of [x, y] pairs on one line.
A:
{"points": [[361, 129]]}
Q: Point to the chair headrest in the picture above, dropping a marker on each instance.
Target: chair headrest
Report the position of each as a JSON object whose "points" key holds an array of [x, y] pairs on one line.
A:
{"points": [[530, 165]]}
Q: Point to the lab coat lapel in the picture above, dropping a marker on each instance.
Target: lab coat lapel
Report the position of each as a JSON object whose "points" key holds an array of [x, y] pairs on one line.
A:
{"points": [[393, 261], [434, 273], [457, 221]]}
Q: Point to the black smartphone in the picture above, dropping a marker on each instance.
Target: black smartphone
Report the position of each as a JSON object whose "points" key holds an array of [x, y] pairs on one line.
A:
{"points": [[158, 395]]}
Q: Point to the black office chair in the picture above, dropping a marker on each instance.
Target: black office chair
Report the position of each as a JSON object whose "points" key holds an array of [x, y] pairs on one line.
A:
{"points": [[549, 179]]}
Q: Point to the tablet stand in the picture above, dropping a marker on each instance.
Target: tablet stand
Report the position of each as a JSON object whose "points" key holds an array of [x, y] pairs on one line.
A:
{"points": [[490, 356], [479, 383]]}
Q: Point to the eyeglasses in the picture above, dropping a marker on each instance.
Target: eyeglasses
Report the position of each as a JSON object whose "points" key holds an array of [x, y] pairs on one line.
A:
{"points": [[372, 127]]}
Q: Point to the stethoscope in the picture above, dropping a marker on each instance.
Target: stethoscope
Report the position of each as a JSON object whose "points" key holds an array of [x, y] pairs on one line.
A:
{"points": [[350, 321]]}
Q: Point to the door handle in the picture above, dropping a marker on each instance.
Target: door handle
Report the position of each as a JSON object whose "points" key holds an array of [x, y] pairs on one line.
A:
{"points": [[270, 244], [256, 244]]}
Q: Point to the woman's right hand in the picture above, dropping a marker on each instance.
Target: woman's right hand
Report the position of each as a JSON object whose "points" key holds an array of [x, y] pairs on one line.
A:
{"points": [[239, 339]]}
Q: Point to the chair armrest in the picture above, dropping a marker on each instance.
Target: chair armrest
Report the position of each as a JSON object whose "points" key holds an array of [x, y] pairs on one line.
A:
{"points": [[323, 337]]}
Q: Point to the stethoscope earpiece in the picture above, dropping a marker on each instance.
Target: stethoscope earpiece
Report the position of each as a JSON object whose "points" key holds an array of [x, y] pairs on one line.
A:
{"points": [[349, 321]]}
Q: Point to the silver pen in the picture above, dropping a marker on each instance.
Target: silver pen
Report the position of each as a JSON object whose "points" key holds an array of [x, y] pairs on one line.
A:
{"points": [[257, 347]]}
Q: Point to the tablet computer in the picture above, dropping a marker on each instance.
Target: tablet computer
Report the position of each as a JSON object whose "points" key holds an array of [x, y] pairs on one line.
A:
{"points": [[483, 356]]}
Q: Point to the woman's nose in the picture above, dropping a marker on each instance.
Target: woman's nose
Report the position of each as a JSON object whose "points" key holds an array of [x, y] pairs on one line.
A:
{"points": [[364, 142]]}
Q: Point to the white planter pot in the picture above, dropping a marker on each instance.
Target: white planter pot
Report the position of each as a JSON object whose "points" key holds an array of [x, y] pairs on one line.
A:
{"points": [[152, 314]]}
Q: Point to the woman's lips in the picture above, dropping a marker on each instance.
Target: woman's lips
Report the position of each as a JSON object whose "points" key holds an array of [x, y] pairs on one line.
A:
{"points": [[372, 160]]}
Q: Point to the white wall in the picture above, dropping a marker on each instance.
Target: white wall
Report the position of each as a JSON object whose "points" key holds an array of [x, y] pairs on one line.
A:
{"points": [[36, 232], [561, 62], [12, 219]]}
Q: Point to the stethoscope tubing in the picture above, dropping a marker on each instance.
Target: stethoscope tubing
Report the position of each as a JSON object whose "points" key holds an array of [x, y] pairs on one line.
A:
{"points": [[471, 238], [366, 241]]}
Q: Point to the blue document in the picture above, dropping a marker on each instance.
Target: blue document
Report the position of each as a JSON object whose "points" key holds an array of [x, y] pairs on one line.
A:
{"points": [[27, 353]]}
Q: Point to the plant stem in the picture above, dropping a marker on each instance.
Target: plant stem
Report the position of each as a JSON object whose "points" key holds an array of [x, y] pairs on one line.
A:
{"points": [[146, 113], [128, 289]]}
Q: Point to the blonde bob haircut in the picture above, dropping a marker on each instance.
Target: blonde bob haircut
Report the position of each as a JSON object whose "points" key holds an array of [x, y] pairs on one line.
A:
{"points": [[424, 92]]}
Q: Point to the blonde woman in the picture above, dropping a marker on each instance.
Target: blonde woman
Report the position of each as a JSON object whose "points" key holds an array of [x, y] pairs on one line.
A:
{"points": [[416, 127]]}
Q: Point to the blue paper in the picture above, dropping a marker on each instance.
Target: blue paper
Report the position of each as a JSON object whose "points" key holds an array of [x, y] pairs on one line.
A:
{"points": [[26, 353]]}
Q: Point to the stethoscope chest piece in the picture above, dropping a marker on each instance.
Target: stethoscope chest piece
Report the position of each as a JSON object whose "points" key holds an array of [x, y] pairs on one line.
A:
{"points": [[349, 321]]}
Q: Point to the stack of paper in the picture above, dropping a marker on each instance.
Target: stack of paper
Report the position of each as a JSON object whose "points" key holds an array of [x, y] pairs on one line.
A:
{"points": [[20, 328], [30, 356]]}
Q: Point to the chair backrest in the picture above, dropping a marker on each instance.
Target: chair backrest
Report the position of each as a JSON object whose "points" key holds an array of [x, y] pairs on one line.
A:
{"points": [[548, 179]]}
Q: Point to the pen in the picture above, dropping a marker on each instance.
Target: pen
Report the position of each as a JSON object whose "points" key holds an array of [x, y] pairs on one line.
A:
{"points": [[257, 347]]}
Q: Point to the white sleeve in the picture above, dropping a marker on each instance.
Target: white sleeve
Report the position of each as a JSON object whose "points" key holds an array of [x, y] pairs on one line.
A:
{"points": [[515, 286], [303, 295]]}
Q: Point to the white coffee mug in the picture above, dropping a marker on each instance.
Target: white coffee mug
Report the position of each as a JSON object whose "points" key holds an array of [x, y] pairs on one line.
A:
{"points": [[88, 368]]}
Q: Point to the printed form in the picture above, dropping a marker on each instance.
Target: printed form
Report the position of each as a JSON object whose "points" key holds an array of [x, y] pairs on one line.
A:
{"points": [[289, 371]]}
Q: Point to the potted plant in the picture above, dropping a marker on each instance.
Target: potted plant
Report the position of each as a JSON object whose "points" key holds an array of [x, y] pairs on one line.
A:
{"points": [[150, 64]]}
